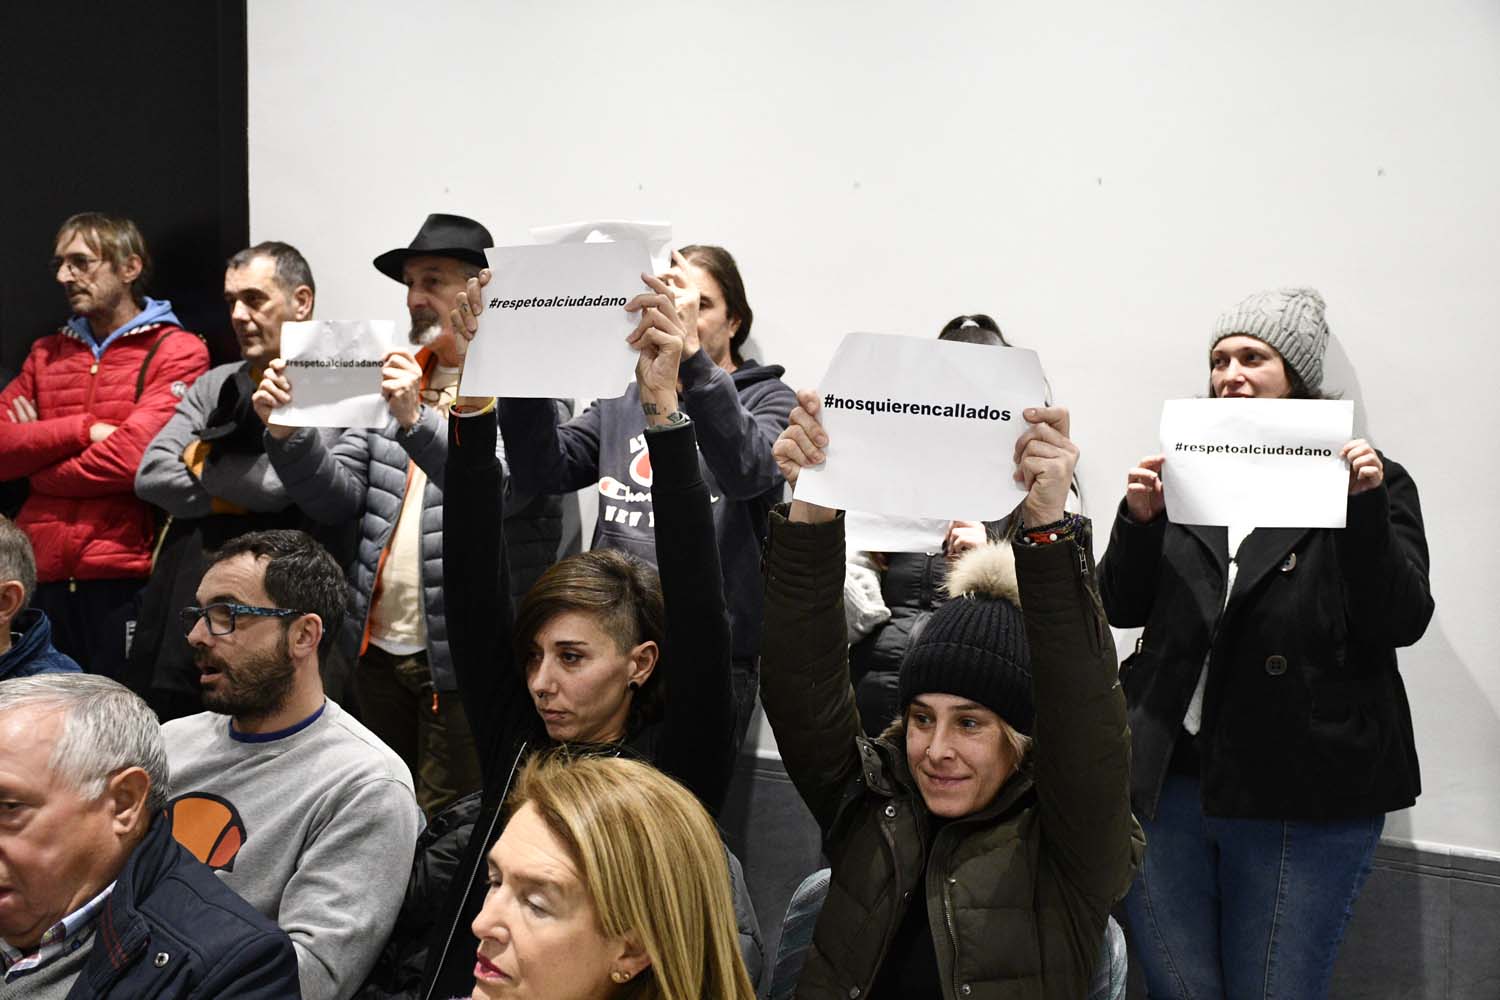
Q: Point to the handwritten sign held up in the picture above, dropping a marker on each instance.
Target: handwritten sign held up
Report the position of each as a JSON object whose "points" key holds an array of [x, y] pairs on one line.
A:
{"points": [[923, 427], [1270, 463], [554, 321], [334, 367]]}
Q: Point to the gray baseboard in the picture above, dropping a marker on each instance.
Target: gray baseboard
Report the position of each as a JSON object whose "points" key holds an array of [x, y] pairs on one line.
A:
{"points": [[1427, 926]]}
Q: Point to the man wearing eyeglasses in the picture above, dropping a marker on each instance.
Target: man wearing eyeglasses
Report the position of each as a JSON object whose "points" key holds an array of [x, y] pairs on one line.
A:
{"points": [[389, 480], [76, 421], [302, 810]]}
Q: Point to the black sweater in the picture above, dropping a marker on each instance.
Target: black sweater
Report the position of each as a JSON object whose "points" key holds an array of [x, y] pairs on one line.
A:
{"points": [[692, 742]]}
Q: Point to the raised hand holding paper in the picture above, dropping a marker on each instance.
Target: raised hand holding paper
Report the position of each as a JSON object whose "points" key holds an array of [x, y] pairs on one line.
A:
{"points": [[1270, 463], [334, 368], [922, 427], [554, 321]]}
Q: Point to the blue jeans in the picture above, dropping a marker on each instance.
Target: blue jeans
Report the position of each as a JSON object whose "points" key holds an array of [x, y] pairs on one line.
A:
{"points": [[1243, 908]]}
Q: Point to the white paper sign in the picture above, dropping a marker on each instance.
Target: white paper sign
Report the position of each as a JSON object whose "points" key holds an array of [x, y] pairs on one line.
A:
{"points": [[884, 533], [334, 367], [554, 321], [1266, 463], [656, 235], [922, 427]]}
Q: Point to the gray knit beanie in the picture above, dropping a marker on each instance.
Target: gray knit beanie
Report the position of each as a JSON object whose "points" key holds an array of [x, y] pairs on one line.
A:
{"points": [[1291, 321], [974, 645]]}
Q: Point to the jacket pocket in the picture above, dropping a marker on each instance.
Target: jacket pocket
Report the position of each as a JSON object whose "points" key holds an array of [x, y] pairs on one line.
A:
{"points": [[1348, 734]]}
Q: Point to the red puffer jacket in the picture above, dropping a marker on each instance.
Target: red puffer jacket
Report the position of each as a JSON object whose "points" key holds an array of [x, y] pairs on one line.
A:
{"points": [[83, 517]]}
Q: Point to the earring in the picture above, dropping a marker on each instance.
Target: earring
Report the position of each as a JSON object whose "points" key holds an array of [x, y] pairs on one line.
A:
{"points": [[620, 976], [633, 686]]}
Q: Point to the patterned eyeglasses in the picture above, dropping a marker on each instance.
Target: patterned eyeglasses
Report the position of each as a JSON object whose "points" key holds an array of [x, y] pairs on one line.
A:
{"points": [[221, 617]]}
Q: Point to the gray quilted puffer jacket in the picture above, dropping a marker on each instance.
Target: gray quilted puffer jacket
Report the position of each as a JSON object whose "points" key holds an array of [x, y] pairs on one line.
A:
{"points": [[362, 476]]}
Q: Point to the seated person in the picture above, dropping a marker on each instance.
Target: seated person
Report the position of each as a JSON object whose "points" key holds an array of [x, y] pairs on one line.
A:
{"points": [[609, 881], [99, 902], [596, 639], [25, 633], [978, 845], [301, 809]]}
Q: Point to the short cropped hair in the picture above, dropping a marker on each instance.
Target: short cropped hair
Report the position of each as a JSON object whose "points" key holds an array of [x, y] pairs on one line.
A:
{"points": [[300, 574], [113, 238], [17, 560], [292, 269], [623, 596], [106, 728]]}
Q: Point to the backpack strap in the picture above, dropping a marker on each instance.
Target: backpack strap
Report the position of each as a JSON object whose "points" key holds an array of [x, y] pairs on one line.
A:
{"points": [[140, 379]]}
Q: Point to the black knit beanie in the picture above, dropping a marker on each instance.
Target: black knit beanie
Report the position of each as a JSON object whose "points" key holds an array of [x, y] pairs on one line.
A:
{"points": [[974, 645]]}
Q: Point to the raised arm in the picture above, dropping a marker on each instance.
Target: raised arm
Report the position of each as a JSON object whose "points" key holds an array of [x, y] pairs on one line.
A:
{"points": [[697, 736], [804, 672], [476, 578], [328, 483], [1127, 574], [476, 573], [1082, 744], [1383, 551], [736, 434], [547, 456]]}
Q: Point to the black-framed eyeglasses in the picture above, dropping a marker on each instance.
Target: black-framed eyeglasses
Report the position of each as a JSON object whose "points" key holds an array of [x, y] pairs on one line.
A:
{"points": [[221, 617]]}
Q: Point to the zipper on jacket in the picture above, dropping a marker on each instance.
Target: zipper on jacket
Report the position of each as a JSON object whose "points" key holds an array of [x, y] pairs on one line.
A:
{"points": [[463, 902], [885, 945], [88, 404]]}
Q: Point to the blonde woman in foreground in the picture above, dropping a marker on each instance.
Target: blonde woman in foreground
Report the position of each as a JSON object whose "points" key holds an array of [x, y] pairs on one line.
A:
{"points": [[609, 882]]}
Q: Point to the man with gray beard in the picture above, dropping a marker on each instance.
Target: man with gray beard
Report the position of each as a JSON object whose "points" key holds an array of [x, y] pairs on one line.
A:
{"points": [[389, 480]]}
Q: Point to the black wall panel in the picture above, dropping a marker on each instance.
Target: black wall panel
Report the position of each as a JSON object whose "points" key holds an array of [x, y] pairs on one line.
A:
{"points": [[136, 109]]}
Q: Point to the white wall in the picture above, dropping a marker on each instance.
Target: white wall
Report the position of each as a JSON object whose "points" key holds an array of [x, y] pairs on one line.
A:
{"points": [[1102, 177]]}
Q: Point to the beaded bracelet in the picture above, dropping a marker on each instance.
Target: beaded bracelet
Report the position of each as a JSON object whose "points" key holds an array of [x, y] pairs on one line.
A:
{"points": [[1070, 526]]}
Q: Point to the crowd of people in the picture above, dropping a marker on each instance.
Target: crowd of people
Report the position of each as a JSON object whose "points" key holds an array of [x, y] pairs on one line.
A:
{"points": [[343, 712]]}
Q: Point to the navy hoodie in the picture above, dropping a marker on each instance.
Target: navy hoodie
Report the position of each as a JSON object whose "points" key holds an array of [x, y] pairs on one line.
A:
{"points": [[31, 650], [737, 417]]}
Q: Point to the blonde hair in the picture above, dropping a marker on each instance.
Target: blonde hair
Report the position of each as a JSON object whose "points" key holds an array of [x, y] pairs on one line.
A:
{"points": [[653, 864]]}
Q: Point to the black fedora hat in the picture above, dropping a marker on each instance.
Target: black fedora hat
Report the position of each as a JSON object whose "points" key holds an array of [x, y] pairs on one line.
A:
{"points": [[440, 236]]}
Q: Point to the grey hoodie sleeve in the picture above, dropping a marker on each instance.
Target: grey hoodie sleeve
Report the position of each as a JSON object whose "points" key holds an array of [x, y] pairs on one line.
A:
{"points": [[735, 434], [163, 478]]}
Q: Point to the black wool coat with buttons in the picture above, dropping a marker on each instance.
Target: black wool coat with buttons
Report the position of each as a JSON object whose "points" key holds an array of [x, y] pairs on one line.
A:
{"points": [[1017, 893], [1304, 713]]}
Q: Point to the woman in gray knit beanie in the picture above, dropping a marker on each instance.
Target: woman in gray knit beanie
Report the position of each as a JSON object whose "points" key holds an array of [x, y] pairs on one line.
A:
{"points": [[1269, 725]]}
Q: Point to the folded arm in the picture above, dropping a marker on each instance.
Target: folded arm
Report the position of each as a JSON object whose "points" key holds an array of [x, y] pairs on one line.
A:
{"points": [[109, 466]]}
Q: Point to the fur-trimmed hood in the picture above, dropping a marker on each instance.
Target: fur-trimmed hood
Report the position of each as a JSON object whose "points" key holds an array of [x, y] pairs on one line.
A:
{"points": [[988, 570]]}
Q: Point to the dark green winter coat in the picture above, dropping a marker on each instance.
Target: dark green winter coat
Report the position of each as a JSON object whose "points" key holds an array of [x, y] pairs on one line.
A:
{"points": [[1018, 893]]}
